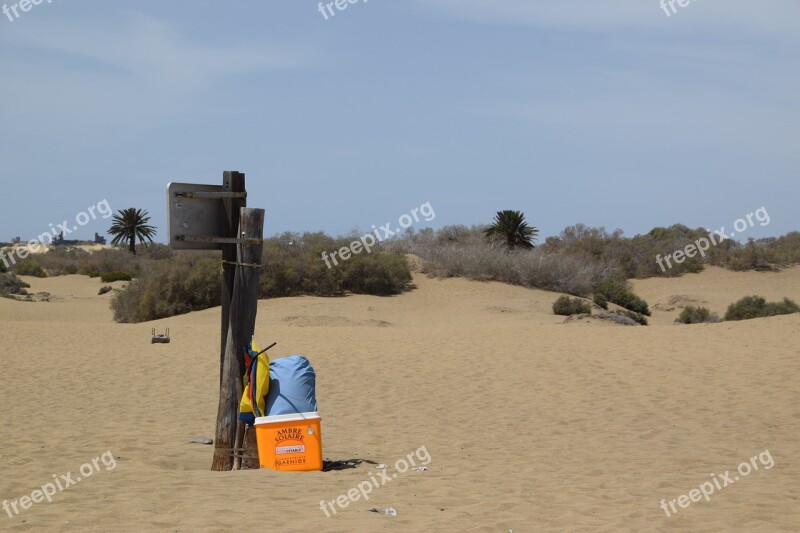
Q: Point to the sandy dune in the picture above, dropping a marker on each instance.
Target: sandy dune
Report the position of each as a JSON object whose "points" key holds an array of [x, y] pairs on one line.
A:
{"points": [[531, 424]]}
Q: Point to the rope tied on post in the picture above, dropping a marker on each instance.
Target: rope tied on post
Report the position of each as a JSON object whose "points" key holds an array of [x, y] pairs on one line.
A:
{"points": [[246, 265]]}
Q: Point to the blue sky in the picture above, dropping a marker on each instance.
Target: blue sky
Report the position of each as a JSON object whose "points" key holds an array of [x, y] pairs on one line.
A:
{"points": [[607, 113]]}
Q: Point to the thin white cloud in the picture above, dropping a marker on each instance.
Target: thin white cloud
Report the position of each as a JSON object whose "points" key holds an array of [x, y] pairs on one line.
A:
{"points": [[133, 70], [768, 17]]}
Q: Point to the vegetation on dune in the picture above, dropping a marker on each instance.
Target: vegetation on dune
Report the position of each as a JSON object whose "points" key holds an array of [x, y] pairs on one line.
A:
{"points": [[638, 317], [185, 283], [580, 261], [600, 300], [11, 284], [116, 275], [696, 315], [464, 252], [618, 292], [636, 257], [29, 268], [567, 306], [293, 266], [584, 261], [757, 307]]}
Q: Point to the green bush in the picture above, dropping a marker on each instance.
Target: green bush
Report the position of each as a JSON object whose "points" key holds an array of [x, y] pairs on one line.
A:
{"points": [[110, 277], [3, 268], [633, 315], [379, 273], [618, 292], [294, 265], [30, 268], [94, 274], [696, 315], [104, 290], [757, 307], [170, 287], [567, 306], [61, 260], [11, 284], [601, 301]]}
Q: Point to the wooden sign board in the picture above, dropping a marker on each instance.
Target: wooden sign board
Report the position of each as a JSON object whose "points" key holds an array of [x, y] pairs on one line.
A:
{"points": [[196, 215]]}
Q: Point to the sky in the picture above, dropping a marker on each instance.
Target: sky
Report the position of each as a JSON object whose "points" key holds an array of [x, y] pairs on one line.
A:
{"points": [[618, 113]]}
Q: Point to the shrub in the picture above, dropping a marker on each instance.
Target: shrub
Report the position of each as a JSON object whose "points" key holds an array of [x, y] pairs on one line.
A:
{"points": [[696, 315], [624, 257], [170, 287], [3, 268], [571, 306], [379, 273], [104, 290], [601, 301], [94, 274], [294, 265], [463, 252], [11, 284], [30, 268], [757, 307], [61, 260], [634, 316], [618, 292], [110, 277]]}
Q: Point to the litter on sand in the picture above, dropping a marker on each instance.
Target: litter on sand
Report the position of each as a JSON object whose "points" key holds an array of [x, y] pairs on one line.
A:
{"points": [[389, 511]]}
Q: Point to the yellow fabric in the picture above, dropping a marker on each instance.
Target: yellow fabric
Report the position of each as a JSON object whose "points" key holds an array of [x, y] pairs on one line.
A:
{"points": [[261, 383]]}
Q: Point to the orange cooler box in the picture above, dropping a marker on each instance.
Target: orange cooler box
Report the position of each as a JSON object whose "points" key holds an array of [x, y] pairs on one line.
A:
{"points": [[290, 442]]}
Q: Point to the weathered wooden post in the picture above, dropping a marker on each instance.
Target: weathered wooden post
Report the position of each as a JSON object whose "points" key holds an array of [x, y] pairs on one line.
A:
{"points": [[242, 321], [213, 217], [234, 183]]}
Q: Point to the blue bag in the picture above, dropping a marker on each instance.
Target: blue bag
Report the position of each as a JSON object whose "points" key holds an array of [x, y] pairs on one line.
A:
{"points": [[292, 386]]}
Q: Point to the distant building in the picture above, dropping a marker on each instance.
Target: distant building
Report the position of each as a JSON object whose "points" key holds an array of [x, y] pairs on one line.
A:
{"points": [[60, 241], [99, 239]]}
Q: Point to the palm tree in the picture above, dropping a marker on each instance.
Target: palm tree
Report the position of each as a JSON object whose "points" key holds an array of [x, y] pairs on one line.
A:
{"points": [[511, 226], [130, 224]]}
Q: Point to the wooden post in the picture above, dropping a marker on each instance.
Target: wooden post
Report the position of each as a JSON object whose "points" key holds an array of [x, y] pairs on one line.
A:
{"points": [[233, 182], [241, 326], [250, 449]]}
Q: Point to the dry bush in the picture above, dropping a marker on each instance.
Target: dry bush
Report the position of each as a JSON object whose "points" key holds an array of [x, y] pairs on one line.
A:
{"points": [[489, 261], [188, 282], [11, 284], [696, 315], [293, 265]]}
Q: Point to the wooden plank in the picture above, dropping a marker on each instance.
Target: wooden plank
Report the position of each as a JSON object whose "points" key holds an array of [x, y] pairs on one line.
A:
{"points": [[241, 326], [232, 182]]}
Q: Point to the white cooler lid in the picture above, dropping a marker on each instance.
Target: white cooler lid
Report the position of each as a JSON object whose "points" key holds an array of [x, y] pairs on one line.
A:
{"points": [[294, 417]]}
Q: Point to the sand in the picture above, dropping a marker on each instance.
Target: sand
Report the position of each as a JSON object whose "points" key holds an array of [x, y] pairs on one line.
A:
{"points": [[531, 424]]}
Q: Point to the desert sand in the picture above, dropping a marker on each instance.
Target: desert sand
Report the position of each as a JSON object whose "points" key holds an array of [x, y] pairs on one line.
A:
{"points": [[532, 424]]}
